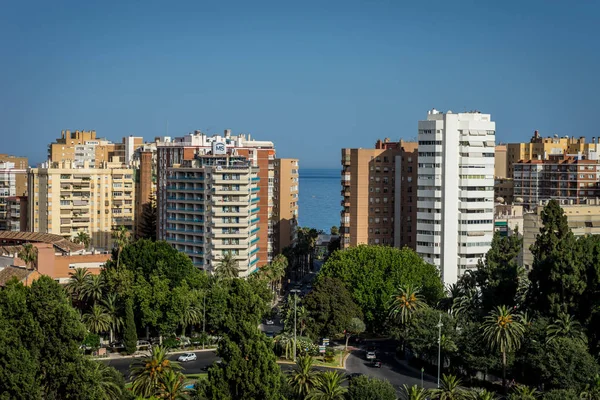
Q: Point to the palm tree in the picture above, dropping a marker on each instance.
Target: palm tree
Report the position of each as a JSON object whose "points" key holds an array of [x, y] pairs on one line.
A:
{"points": [[29, 255], [148, 372], [565, 326], [414, 393], [450, 389], [83, 238], [328, 387], [303, 317], [503, 331], [172, 386], [482, 394], [285, 341], [120, 236], [228, 267], [190, 316], [97, 320], [93, 288], [591, 391], [77, 283], [522, 392], [405, 302], [303, 378], [468, 304], [112, 309], [107, 378]]}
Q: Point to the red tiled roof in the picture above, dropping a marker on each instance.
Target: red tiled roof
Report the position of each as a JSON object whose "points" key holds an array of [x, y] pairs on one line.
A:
{"points": [[57, 241]]}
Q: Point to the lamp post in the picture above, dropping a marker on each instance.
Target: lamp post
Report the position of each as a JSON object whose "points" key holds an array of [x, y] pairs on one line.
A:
{"points": [[439, 325], [294, 291]]}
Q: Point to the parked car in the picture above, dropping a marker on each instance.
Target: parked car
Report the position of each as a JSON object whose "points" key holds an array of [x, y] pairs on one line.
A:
{"points": [[376, 363], [270, 334], [269, 322], [117, 345], [143, 343], [371, 355], [187, 357]]}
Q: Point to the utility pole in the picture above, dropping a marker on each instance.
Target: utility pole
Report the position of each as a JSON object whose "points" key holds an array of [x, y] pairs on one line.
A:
{"points": [[204, 321], [439, 325]]}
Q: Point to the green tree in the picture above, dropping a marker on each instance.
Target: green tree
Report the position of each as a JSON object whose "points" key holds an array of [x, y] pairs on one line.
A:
{"points": [[561, 394], [498, 275], [405, 302], [366, 388], [110, 382], [503, 331], [77, 281], [414, 393], [249, 369], [373, 273], [303, 318], [421, 334], [304, 377], [557, 277], [29, 255], [566, 326], [334, 230], [328, 387], [97, 320], [148, 372], [111, 305], [93, 288], [172, 386], [228, 267], [147, 224], [521, 392], [473, 353], [450, 389], [355, 327], [130, 331], [83, 238], [120, 236], [331, 308]]}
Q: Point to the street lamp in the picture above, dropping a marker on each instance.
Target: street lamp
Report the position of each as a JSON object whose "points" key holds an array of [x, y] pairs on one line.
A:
{"points": [[439, 325], [294, 291], [204, 321]]}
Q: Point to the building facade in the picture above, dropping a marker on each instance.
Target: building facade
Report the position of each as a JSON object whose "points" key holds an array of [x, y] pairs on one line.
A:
{"points": [[455, 195], [566, 178], [212, 210], [370, 179], [11, 184], [260, 155], [17, 214], [65, 200], [285, 203]]}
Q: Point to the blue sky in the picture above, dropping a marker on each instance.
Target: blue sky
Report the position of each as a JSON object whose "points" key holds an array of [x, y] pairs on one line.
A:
{"points": [[312, 76]]}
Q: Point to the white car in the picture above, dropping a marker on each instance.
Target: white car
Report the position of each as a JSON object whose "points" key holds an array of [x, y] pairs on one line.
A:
{"points": [[270, 322], [371, 355], [187, 357]]}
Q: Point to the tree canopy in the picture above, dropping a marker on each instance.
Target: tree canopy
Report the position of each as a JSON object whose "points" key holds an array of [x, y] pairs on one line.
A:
{"points": [[373, 273]]}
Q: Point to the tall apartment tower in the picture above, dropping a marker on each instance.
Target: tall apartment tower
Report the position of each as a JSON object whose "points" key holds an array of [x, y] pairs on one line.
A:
{"points": [[64, 200], [370, 214], [259, 154], [212, 209], [455, 190], [285, 203]]}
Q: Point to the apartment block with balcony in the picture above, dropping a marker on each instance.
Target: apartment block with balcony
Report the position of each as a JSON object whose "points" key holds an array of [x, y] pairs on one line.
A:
{"points": [[369, 213], [65, 200], [17, 214], [212, 209], [285, 203], [11, 184], [260, 154], [570, 179], [455, 215]]}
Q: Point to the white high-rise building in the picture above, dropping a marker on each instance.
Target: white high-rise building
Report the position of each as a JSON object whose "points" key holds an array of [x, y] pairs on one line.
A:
{"points": [[455, 196]]}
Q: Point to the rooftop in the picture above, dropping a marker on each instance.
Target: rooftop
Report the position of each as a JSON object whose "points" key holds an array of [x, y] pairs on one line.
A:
{"points": [[57, 241], [7, 273]]}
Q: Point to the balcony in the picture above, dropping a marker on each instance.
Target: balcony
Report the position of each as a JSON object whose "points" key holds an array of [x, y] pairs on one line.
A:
{"points": [[187, 200], [184, 189], [253, 231], [174, 240], [255, 200], [185, 178], [200, 231], [240, 233], [254, 221]]}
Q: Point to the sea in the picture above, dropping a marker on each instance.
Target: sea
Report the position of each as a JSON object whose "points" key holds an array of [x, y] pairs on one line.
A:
{"points": [[319, 201]]}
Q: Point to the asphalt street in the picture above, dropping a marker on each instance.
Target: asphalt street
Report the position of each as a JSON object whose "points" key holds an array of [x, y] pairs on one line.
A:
{"points": [[205, 359]]}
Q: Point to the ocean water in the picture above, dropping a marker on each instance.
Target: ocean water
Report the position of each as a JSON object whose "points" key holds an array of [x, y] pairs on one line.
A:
{"points": [[319, 202]]}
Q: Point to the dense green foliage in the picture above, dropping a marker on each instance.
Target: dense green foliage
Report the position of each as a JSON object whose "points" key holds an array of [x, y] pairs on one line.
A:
{"points": [[365, 388], [130, 334], [147, 223], [373, 274], [40, 335], [331, 308]]}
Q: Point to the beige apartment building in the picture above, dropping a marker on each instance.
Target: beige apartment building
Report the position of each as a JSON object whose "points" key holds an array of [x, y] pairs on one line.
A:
{"points": [[64, 200], [500, 161], [540, 148], [285, 203], [372, 180]]}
